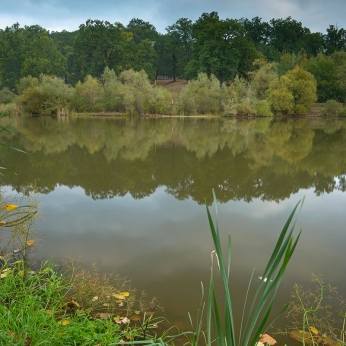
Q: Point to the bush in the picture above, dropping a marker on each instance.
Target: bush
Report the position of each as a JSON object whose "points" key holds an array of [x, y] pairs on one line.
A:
{"points": [[88, 95], [333, 108], [25, 83], [51, 95], [263, 109], [6, 96], [203, 96], [294, 92]]}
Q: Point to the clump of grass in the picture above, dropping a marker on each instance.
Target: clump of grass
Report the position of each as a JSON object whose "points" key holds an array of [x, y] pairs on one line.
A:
{"points": [[254, 322]]}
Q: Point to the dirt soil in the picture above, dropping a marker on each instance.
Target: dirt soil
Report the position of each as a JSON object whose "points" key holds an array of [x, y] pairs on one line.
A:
{"points": [[173, 87]]}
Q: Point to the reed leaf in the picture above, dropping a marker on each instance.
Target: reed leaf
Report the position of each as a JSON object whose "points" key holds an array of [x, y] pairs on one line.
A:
{"points": [[254, 321]]}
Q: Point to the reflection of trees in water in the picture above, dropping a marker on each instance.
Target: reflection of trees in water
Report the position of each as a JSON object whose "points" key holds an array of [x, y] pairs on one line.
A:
{"points": [[240, 159]]}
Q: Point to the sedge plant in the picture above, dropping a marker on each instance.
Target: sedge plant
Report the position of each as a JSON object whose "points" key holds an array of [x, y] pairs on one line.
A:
{"points": [[220, 317]]}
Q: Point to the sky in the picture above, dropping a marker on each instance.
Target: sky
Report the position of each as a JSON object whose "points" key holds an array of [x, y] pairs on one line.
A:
{"points": [[57, 15]]}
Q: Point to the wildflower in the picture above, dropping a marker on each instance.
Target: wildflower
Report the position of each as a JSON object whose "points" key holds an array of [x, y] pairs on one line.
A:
{"points": [[10, 207]]}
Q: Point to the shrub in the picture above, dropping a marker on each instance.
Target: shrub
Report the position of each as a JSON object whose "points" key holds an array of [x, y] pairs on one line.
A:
{"points": [[263, 109], [25, 83], [262, 78], [136, 92], [203, 96], [6, 96], [50, 95], [333, 108], [293, 92], [243, 97], [87, 95]]}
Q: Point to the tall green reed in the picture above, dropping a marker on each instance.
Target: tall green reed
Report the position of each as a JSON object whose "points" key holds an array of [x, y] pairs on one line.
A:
{"points": [[220, 318]]}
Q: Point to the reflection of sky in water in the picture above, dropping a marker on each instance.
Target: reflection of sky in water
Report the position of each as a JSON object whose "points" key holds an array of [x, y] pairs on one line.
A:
{"points": [[164, 245]]}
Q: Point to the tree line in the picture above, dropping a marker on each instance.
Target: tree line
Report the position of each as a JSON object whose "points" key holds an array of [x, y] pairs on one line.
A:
{"points": [[224, 48]]}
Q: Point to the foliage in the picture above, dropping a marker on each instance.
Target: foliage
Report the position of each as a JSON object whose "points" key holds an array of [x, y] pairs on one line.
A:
{"points": [[28, 50], [220, 49], [25, 83], [263, 109], [294, 92], [48, 94], [6, 96], [333, 108], [254, 320], [243, 97], [87, 95], [263, 77], [203, 96], [325, 71]]}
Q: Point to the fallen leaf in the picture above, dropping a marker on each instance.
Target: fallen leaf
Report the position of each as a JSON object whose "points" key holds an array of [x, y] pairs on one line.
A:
{"points": [[94, 299], [3, 222], [64, 322], [118, 296], [125, 294], [3, 275], [121, 304], [313, 330], [10, 207], [19, 261], [106, 305], [104, 315], [267, 339], [301, 336], [31, 242], [21, 272]]}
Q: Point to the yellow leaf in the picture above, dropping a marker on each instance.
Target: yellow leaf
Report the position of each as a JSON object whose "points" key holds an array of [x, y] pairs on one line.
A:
{"points": [[2, 222], [64, 322], [21, 272], [10, 207], [94, 299], [31, 242], [125, 294], [313, 330], [19, 261], [3, 275], [118, 296]]}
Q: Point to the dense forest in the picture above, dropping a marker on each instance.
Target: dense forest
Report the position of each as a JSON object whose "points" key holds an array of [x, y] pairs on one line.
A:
{"points": [[268, 64]]}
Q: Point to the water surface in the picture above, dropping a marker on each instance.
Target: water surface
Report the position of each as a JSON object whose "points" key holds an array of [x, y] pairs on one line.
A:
{"points": [[129, 195]]}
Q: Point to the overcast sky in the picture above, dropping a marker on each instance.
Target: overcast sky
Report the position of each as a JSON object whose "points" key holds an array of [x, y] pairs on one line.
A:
{"points": [[56, 15]]}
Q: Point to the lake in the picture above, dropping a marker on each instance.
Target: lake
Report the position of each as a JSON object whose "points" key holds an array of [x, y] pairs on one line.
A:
{"points": [[129, 194]]}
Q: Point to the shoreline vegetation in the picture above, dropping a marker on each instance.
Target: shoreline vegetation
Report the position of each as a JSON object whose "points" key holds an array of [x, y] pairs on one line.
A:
{"points": [[234, 67]]}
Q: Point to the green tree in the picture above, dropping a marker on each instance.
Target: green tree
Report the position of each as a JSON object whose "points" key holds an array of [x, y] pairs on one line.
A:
{"points": [[335, 39], [293, 92], [221, 48], [25, 51], [180, 45], [99, 44], [42, 57], [12, 48], [288, 35], [325, 72]]}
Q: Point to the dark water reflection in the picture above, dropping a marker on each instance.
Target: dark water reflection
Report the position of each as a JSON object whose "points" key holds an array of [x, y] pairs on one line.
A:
{"points": [[129, 195]]}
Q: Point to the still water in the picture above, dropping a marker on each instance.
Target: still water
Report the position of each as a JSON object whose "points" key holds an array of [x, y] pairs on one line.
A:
{"points": [[130, 195]]}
